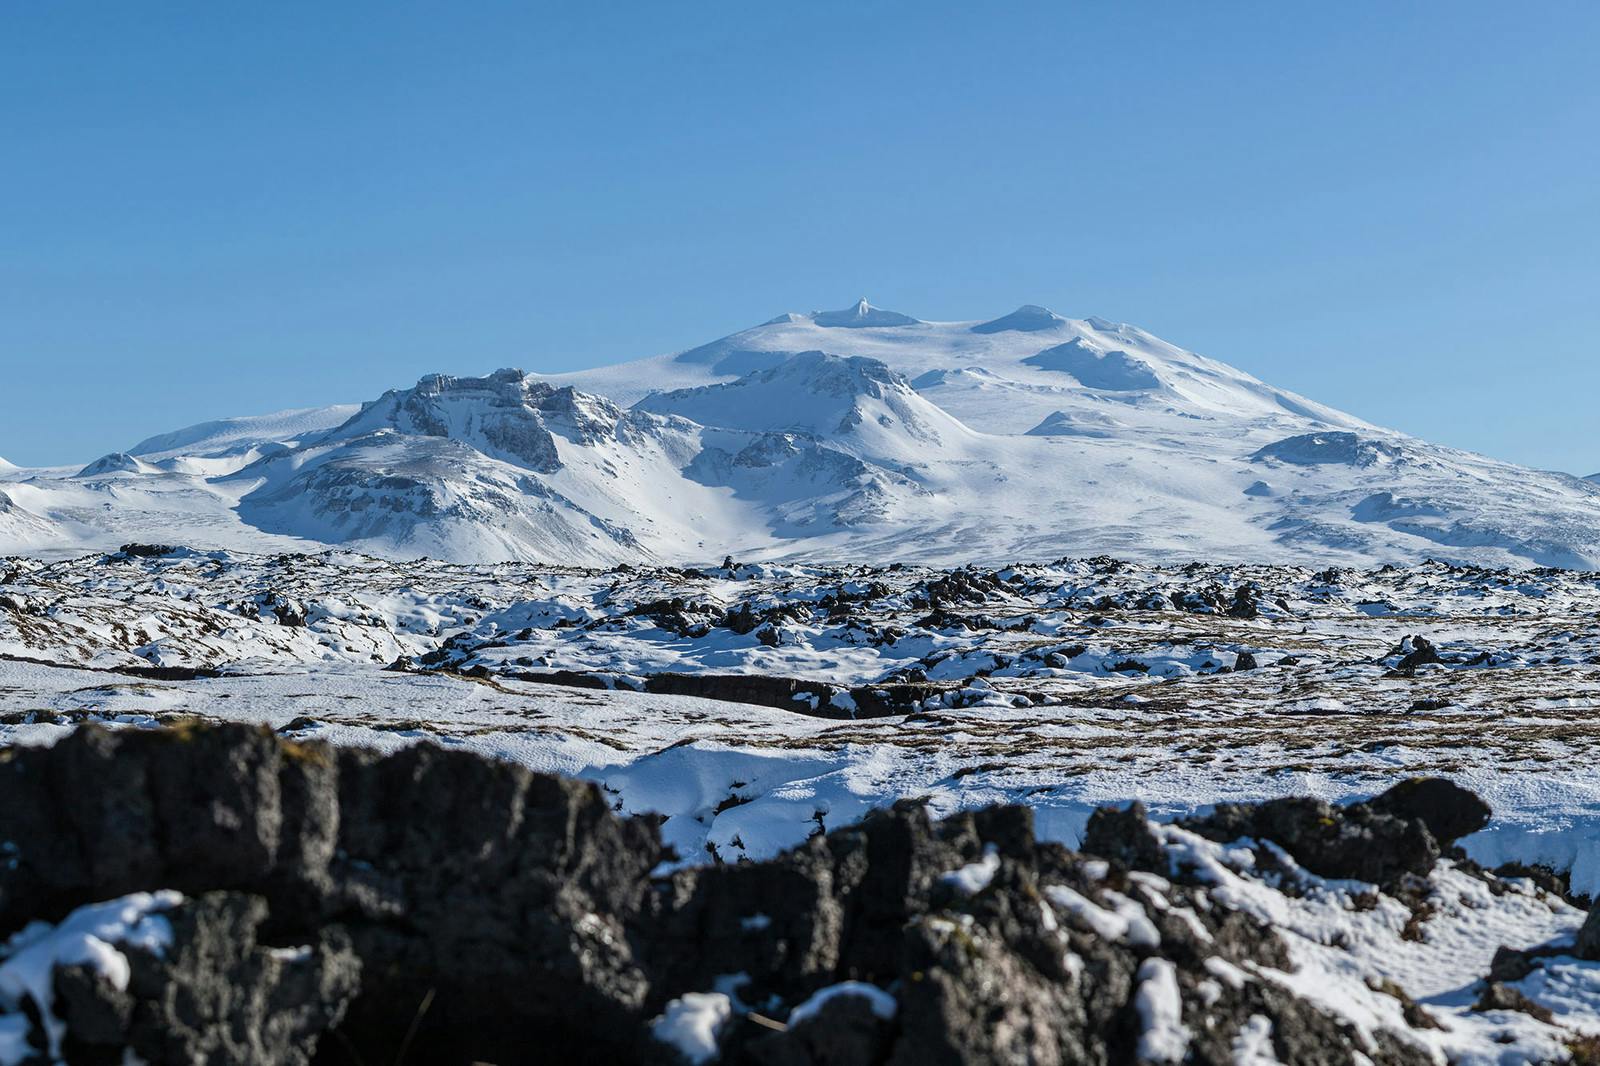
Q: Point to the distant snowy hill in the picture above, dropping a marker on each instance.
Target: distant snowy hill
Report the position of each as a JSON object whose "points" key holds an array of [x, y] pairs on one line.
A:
{"points": [[860, 433], [232, 435]]}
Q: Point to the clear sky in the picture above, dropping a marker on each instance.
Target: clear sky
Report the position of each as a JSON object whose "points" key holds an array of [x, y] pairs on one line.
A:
{"points": [[213, 209]]}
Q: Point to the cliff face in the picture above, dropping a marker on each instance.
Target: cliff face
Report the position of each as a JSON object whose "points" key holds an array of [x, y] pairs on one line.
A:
{"points": [[278, 902]]}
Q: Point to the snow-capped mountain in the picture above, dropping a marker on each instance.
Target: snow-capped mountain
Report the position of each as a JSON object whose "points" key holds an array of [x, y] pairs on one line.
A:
{"points": [[240, 439], [857, 404], [860, 433]]}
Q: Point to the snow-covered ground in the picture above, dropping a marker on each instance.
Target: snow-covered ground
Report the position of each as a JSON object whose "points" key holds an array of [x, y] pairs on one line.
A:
{"points": [[860, 434], [1064, 686]]}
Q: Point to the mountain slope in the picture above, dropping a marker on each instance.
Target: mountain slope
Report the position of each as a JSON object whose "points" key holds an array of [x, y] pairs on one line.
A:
{"points": [[859, 404], [1176, 382], [230, 435], [860, 433]]}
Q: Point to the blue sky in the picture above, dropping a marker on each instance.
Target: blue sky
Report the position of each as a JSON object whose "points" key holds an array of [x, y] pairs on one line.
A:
{"points": [[214, 209]]}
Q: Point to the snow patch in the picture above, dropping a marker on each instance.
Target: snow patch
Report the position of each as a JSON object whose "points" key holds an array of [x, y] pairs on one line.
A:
{"points": [[975, 876], [691, 1024], [1112, 371], [89, 936], [1163, 1038], [882, 1003]]}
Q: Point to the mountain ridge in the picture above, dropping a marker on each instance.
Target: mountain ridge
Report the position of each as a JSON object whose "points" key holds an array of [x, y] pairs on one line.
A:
{"points": [[863, 432]]}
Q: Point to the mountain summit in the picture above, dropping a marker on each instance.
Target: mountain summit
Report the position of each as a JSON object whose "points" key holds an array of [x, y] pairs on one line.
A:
{"points": [[861, 433], [861, 315]]}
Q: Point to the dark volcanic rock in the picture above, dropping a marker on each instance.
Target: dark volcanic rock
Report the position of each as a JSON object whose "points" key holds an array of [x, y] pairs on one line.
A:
{"points": [[1344, 842], [214, 995], [494, 892], [817, 699], [444, 908], [1589, 936], [1448, 810], [1124, 837], [1396, 833], [1414, 652]]}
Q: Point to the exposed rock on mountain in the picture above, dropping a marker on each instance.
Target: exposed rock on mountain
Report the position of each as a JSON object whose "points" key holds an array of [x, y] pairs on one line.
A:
{"points": [[116, 463], [1311, 449]]}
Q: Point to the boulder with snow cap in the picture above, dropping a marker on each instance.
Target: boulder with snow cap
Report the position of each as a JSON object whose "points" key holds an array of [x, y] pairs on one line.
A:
{"points": [[1344, 842], [1415, 651], [203, 988]]}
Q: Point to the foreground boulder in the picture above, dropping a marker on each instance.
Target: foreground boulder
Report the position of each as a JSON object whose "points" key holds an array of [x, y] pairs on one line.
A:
{"points": [[499, 895], [211, 993], [317, 904]]}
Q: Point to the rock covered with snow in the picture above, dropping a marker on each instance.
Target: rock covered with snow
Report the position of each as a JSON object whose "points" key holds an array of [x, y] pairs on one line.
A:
{"points": [[454, 908], [1064, 685], [116, 463], [157, 978], [241, 436]]}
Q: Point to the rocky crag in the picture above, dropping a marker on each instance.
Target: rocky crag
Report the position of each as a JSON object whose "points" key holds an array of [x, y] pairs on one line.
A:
{"points": [[222, 894]]}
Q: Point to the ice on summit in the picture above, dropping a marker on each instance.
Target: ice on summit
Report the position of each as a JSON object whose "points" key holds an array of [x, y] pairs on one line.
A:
{"points": [[861, 315], [236, 435], [1029, 318]]}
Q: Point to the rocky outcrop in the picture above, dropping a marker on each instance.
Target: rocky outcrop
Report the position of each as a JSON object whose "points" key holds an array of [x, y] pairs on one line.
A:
{"points": [[501, 893], [1400, 832], [435, 906], [1589, 937], [214, 995]]}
